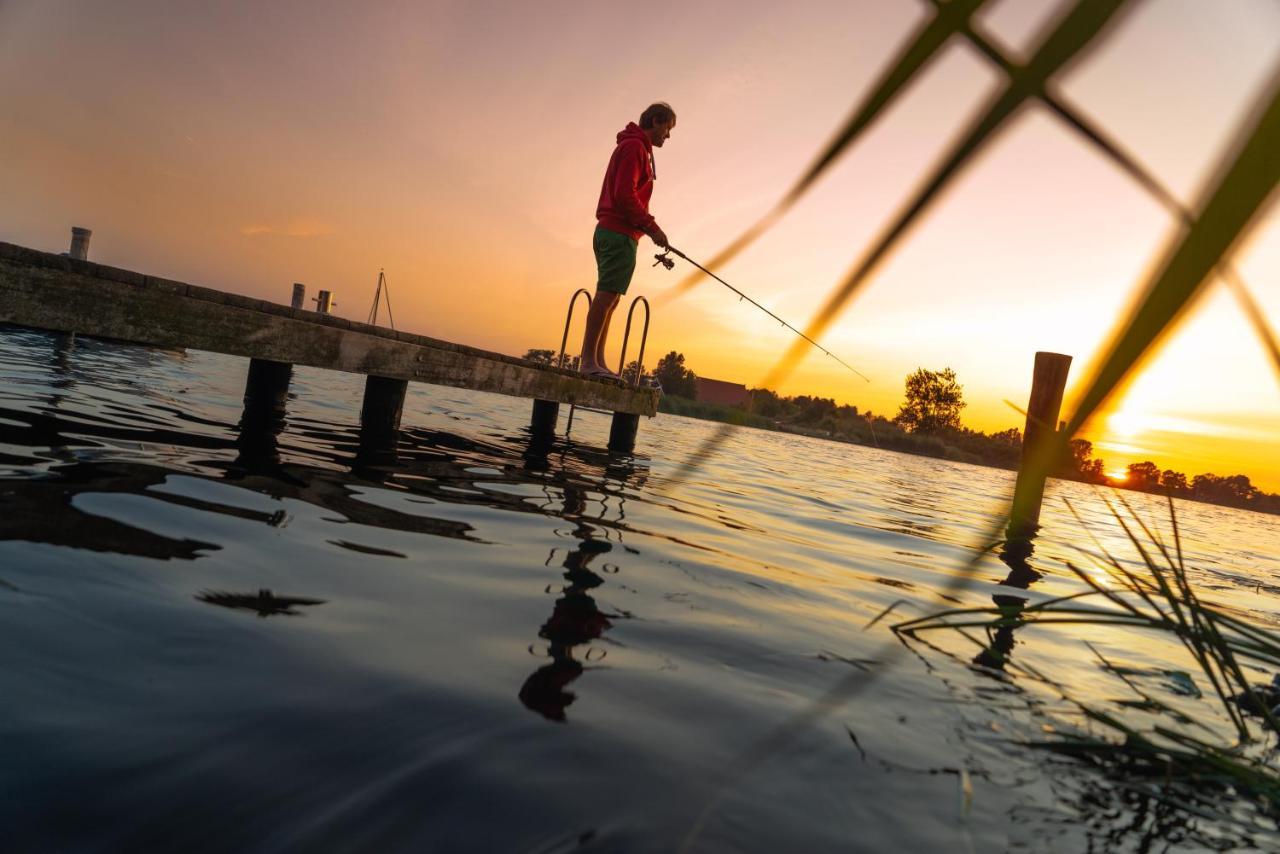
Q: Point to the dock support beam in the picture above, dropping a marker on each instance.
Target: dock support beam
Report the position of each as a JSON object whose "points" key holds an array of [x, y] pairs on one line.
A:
{"points": [[266, 392], [1047, 385], [380, 417], [545, 413], [622, 432]]}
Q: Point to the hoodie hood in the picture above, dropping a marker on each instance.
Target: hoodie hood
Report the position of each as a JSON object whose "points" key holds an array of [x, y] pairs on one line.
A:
{"points": [[633, 131]]}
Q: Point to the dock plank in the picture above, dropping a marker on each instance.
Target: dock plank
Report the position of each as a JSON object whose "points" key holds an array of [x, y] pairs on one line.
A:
{"points": [[46, 291]]}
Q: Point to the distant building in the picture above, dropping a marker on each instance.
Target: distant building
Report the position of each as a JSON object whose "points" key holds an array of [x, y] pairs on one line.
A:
{"points": [[721, 392]]}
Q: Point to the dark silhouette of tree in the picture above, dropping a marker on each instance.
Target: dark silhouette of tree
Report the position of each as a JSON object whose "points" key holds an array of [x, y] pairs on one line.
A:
{"points": [[540, 357], [1235, 490], [1012, 436], [675, 377], [1144, 477], [766, 403], [934, 401], [1174, 482], [631, 370]]}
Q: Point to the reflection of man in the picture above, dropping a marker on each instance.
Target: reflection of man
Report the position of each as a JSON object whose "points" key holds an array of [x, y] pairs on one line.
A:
{"points": [[622, 217], [575, 620]]}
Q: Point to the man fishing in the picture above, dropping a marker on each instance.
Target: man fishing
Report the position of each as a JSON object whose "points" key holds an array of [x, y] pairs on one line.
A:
{"points": [[622, 217]]}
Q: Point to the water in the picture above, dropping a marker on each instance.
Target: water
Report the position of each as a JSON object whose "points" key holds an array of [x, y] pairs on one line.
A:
{"points": [[216, 642]]}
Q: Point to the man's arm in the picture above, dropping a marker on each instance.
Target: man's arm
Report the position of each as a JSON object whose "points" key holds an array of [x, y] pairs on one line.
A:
{"points": [[626, 182]]}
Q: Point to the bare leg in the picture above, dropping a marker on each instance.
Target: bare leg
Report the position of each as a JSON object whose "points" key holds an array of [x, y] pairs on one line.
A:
{"points": [[597, 330], [604, 331]]}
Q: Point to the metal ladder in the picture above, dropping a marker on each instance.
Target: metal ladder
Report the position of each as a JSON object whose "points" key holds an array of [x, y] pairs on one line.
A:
{"points": [[560, 360]]}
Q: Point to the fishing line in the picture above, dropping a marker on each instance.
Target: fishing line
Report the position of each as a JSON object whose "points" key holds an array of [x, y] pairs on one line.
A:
{"points": [[665, 260]]}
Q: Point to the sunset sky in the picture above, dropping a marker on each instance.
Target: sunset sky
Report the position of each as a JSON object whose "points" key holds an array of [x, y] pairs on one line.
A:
{"points": [[460, 146]]}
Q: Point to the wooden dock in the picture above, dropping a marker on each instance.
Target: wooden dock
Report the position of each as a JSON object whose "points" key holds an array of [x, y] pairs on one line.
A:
{"points": [[42, 290]]}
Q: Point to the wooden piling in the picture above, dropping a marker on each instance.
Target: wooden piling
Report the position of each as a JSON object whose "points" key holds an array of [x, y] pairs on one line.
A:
{"points": [[299, 295], [622, 432], [545, 414], [380, 415], [1048, 382], [266, 392]]}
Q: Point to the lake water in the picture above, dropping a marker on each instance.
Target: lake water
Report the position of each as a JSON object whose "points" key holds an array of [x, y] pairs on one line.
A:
{"points": [[211, 642]]}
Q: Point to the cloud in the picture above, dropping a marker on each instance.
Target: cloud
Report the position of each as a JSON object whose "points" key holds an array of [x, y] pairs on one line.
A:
{"points": [[301, 228]]}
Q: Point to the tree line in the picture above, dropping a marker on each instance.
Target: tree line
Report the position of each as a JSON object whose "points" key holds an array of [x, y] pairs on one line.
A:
{"points": [[928, 423]]}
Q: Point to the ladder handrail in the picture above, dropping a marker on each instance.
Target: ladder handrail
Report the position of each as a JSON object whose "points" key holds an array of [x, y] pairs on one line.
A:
{"points": [[644, 338], [568, 318]]}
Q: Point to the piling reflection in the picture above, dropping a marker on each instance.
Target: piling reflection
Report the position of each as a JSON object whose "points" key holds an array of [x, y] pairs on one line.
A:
{"points": [[576, 619], [1015, 554]]}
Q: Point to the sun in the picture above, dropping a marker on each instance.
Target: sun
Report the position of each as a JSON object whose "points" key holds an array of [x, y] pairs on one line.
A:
{"points": [[1126, 424], [1118, 475]]}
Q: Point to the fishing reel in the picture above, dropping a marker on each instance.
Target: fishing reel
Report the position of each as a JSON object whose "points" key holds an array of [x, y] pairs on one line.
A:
{"points": [[664, 258]]}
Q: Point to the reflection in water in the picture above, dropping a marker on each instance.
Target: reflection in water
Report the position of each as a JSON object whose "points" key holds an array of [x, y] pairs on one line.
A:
{"points": [[1015, 554], [264, 602], [576, 619], [118, 459], [45, 511]]}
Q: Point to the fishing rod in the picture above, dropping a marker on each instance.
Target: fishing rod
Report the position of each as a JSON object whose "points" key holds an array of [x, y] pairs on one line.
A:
{"points": [[665, 260]]}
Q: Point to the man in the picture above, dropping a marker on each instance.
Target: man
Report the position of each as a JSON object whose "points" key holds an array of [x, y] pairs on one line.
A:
{"points": [[622, 217]]}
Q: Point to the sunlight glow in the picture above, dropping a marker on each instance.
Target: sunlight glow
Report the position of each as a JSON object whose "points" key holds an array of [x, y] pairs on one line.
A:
{"points": [[1126, 424]]}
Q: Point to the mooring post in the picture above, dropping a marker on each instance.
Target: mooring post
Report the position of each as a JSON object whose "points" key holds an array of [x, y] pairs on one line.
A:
{"points": [[380, 416], [299, 295], [1047, 384], [622, 432], [324, 302], [545, 413], [80, 243]]}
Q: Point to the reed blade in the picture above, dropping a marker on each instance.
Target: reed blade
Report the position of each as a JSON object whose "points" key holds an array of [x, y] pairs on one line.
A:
{"points": [[914, 57], [1254, 312], [1243, 184], [1067, 41]]}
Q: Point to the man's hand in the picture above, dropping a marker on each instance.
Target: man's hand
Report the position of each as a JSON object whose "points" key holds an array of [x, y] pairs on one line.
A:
{"points": [[659, 237]]}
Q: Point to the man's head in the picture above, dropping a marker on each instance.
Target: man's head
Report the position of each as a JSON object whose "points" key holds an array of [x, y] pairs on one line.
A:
{"points": [[657, 121]]}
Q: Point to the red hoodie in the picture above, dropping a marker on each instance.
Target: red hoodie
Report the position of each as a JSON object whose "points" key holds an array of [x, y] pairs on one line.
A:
{"points": [[628, 184]]}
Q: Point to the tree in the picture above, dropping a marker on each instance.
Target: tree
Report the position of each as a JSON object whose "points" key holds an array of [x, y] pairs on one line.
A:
{"points": [[933, 404], [1174, 482], [630, 372], [540, 357], [767, 403], [675, 378], [1012, 436], [1143, 476]]}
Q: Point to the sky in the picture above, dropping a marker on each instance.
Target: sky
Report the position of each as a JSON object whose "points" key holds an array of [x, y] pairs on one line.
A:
{"points": [[460, 146]]}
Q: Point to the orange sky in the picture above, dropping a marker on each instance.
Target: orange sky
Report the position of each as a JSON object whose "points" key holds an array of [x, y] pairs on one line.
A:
{"points": [[246, 146]]}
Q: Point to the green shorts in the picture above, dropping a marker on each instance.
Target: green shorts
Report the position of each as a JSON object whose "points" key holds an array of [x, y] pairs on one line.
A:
{"points": [[615, 260]]}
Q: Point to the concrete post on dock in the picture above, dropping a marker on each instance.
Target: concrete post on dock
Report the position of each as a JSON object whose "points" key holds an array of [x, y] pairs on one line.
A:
{"points": [[299, 295], [380, 418], [80, 243], [545, 415], [1047, 385], [622, 432]]}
